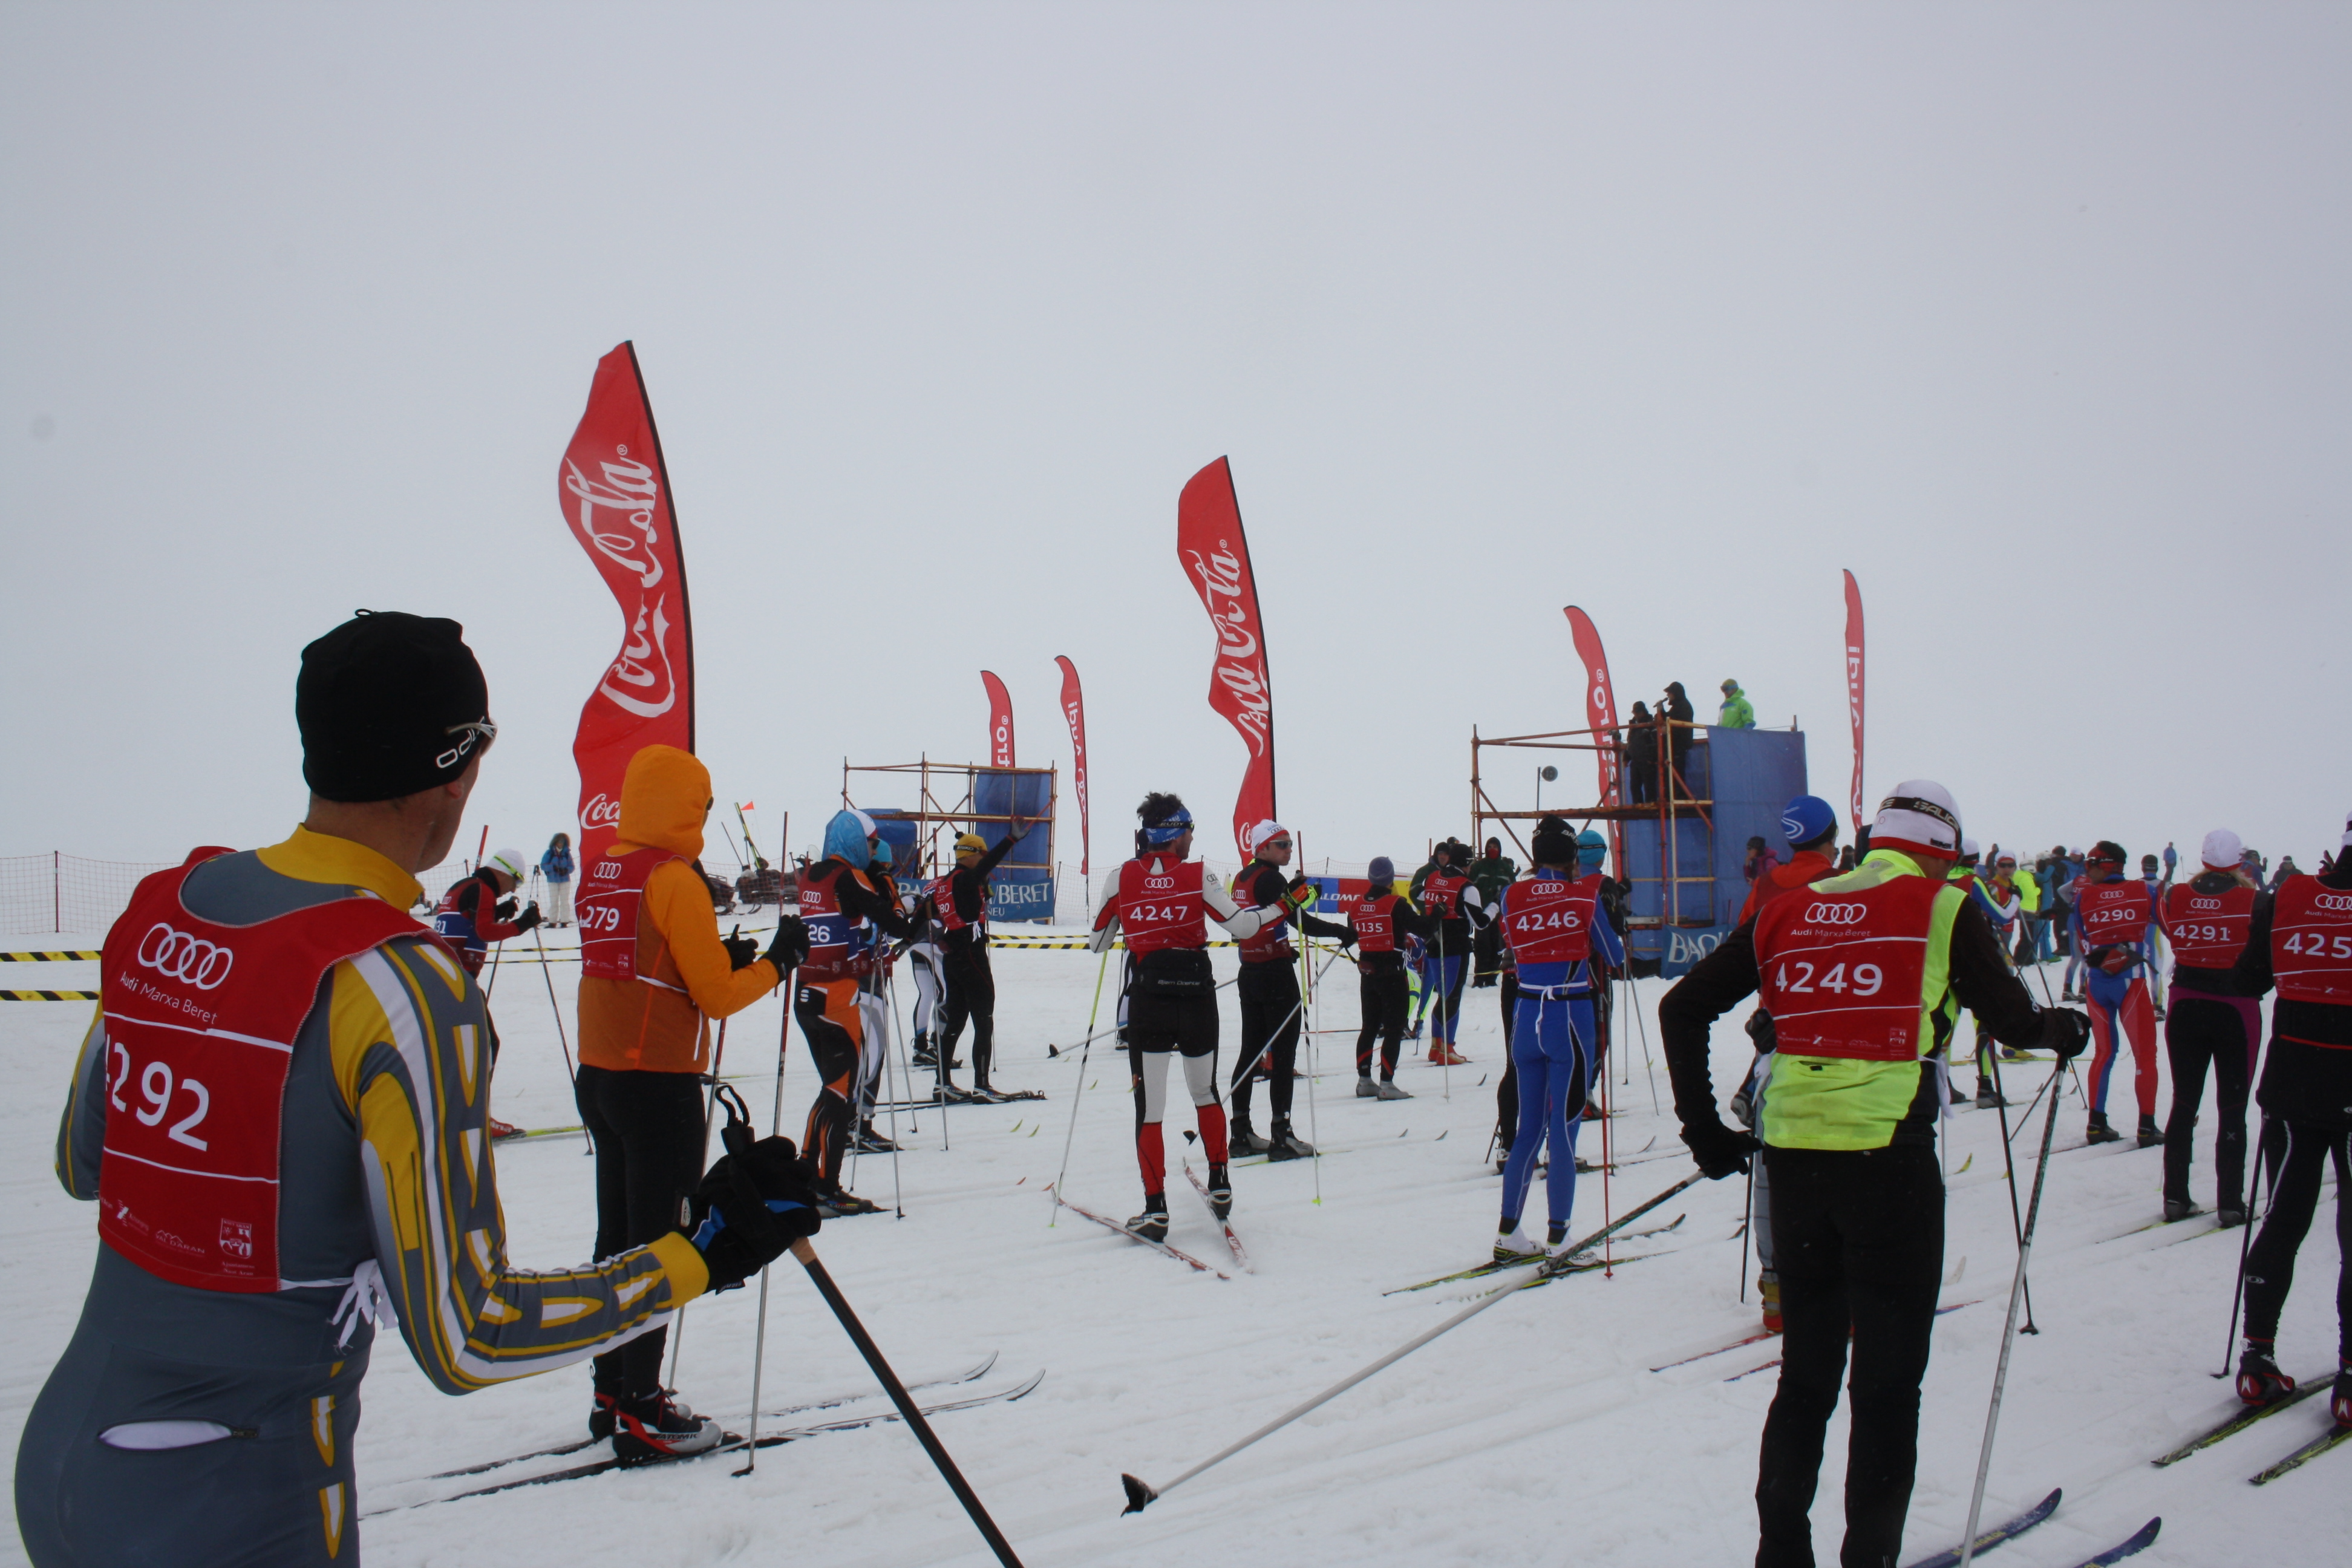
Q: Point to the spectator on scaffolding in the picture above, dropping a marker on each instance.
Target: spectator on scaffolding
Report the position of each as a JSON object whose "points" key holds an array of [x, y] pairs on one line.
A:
{"points": [[1677, 709], [1490, 874], [1736, 712], [1759, 860], [1641, 756]]}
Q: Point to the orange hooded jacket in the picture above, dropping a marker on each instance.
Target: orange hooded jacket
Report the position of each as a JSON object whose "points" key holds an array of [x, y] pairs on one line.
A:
{"points": [[630, 1025]]}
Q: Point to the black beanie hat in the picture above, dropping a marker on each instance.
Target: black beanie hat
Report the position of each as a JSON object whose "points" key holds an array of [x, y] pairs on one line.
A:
{"points": [[389, 704], [1553, 844]]}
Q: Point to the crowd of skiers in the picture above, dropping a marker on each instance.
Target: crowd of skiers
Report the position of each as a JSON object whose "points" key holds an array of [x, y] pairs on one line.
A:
{"points": [[311, 1158]]}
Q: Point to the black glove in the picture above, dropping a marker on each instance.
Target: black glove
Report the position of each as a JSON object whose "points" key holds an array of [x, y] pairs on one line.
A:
{"points": [[752, 1203], [789, 945], [1348, 938], [2065, 1032], [1719, 1151], [1761, 1030], [742, 952], [527, 919], [504, 910]]}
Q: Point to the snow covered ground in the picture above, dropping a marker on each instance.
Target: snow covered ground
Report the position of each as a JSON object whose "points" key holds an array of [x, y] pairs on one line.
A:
{"points": [[1533, 1434]]}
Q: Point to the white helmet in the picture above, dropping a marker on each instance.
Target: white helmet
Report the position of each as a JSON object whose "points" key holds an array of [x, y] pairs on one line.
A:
{"points": [[511, 862], [1919, 814]]}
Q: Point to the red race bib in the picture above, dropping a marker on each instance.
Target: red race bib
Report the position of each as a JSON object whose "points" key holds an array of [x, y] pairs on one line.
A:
{"points": [[1842, 973]]}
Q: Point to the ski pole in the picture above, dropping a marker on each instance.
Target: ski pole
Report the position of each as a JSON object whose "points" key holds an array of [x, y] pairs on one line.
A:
{"points": [[2009, 1333], [2246, 1242], [760, 1338], [1084, 1051], [1633, 994], [1747, 1225], [1140, 1496], [891, 1028], [544, 973], [2009, 1163], [717, 1061], [906, 1403], [1443, 1016]]}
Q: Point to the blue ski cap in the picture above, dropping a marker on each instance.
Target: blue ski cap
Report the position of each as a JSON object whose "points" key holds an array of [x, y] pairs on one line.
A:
{"points": [[1163, 833], [1591, 849], [1381, 869], [846, 837], [1806, 818]]}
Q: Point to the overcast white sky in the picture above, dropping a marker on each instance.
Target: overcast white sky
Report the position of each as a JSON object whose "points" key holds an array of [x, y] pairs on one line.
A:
{"points": [[2033, 316]]}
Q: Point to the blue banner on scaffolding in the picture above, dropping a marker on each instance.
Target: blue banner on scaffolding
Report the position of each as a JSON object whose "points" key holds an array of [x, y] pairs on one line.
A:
{"points": [[1022, 888]]}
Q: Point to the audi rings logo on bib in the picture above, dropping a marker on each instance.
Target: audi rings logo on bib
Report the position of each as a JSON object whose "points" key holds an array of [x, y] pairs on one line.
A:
{"points": [[2341, 904], [202, 965], [1835, 914]]}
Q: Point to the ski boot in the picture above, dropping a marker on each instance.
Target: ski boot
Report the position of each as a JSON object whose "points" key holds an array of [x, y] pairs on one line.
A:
{"points": [[840, 1205], [1243, 1139], [1555, 1240], [2259, 1381], [1288, 1146], [1988, 1096], [2339, 1399], [2178, 1209], [1365, 1089], [2100, 1133], [1952, 1092], [1220, 1193], [1768, 1291], [656, 1427], [604, 1415], [2151, 1136], [1152, 1225], [925, 1055], [1513, 1245], [871, 1141], [988, 1094], [1388, 1090], [2228, 1217], [1444, 1054]]}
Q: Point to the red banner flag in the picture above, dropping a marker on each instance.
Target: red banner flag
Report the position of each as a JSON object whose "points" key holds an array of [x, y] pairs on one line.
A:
{"points": [[999, 721], [615, 492], [1210, 545], [1074, 709], [1599, 699], [1853, 683]]}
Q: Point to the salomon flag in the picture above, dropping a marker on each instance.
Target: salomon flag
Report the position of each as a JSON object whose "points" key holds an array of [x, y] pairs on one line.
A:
{"points": [[1599, 700], [1853, 684], [1074, 709], [1209, 543], [999, 721], [614, 493]]}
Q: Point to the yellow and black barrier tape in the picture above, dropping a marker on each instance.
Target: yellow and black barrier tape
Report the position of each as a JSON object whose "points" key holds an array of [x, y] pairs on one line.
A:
{"points": [[46, 957], [49, 995]]}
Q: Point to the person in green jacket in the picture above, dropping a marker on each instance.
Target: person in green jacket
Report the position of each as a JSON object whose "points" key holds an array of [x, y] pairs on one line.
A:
{"points": [[1490, 875], [1738, 713]]}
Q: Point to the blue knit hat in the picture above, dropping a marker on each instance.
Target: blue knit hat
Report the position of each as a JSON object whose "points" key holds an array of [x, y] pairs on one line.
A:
{"points": [[1591, 849], [1381, 869], [1806, 818]]}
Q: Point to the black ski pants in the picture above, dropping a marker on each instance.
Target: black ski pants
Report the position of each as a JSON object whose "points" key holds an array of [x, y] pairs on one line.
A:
{"points": [[1487, 945], [648, 1129], [2202, 1031], [1383, 999], [1858, 1239], [1271, 1018], [972, 994], [1507, 1093], [2295, 1154]]}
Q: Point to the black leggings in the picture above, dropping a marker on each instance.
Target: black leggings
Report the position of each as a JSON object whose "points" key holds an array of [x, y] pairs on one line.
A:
{"points": [[1382, 997], [2293, 1154], [648, 1129], [1858, 1241], [972, 993], [2199, 1031], [1507, 1093], [1270, 1012]]}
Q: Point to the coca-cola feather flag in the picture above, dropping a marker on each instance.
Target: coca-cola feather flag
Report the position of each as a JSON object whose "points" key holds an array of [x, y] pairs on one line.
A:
{"points": [[1599, 699], [1215, 555], [999, 721], [615, 492], [1854, 672], [1074, 709]]}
